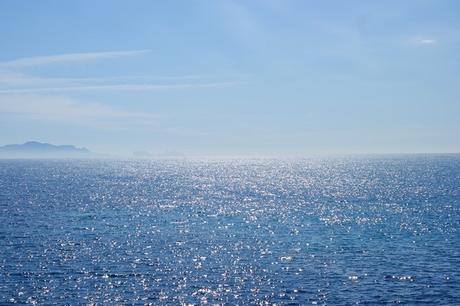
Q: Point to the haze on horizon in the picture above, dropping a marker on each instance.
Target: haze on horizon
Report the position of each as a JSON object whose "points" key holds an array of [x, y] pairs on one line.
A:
{"points": [[232, 78]]}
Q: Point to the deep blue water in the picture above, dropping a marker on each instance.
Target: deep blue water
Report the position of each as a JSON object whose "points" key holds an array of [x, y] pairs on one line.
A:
{"points": [[338, 231]]}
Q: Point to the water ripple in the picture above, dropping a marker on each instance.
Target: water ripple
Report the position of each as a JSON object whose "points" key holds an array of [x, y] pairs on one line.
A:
{"points": [[363, 230]]}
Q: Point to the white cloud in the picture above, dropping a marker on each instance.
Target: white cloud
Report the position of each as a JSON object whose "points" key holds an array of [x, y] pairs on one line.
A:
{"points": [[115, 87], [16, 79], [13, 81], [67, 110], [68, 57], [10, 79], [424, 41]]}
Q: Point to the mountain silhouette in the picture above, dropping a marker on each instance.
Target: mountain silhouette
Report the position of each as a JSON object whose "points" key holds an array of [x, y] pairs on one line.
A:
{"points": [[38, 149]]}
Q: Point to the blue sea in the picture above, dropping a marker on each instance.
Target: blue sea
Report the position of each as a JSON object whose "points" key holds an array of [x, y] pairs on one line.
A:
{"points": [[338, 231]]}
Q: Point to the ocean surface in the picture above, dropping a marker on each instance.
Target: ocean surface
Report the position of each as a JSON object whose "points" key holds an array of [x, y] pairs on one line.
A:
{"points": [[336, 231]]}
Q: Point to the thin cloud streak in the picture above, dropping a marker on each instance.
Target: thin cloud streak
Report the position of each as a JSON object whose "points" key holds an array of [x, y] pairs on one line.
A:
{"points": [[68, 57], [18, 80], [424, 41], [117, 87], [68, 110], [21, 80]]}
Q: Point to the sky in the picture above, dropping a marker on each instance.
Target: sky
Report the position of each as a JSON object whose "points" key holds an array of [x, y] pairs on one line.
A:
{"points": [[232, 78]]}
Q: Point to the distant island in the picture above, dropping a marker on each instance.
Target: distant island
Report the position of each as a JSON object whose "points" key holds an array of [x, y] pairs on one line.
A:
{"points": [[142, 154], [35, 149]]}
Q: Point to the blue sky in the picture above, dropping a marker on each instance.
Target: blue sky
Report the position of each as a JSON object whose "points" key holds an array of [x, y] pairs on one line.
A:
{"points": [[232, 78]]}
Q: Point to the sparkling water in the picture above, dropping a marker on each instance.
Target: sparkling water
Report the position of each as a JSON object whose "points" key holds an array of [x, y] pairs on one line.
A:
{"points": [[336, 231]]}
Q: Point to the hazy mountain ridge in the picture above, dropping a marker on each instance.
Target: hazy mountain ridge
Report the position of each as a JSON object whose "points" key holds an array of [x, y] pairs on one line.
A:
{"points": [[39, 149]]}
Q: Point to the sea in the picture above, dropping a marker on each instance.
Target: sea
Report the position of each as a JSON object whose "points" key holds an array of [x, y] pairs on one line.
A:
{"points": [[349, 230]]}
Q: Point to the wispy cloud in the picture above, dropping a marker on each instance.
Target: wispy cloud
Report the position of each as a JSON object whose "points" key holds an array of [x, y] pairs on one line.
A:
{"points": [[14, 81], [68, 57], [424, 41], [68, 110], [116, 87]]}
